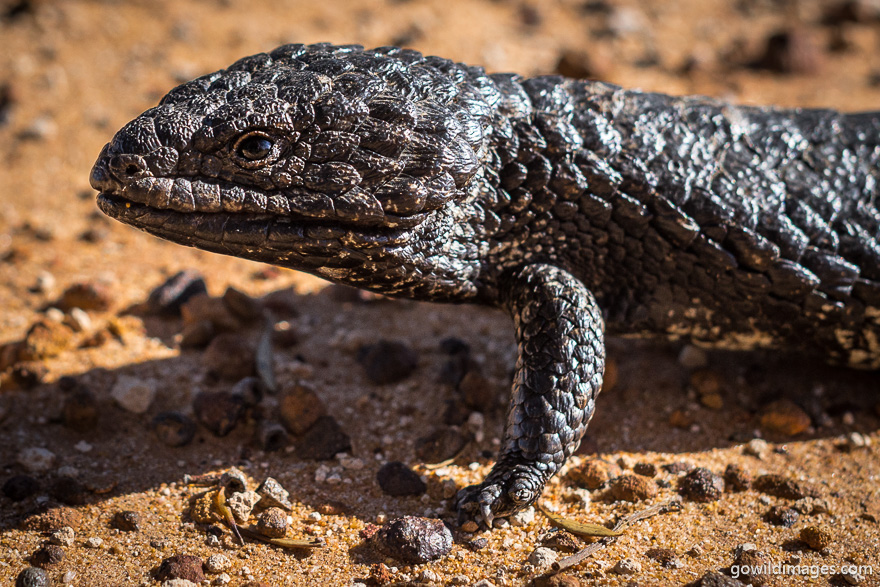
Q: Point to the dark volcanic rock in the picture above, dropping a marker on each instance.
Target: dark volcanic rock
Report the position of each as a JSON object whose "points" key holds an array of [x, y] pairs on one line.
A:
{"points": [[413, 540]]}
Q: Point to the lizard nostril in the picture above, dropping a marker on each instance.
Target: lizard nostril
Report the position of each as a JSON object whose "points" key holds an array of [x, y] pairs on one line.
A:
{"points": [[126, 167]]}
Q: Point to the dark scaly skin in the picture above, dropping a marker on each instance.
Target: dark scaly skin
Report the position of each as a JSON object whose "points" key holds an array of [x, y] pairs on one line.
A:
{"points": [[418, 177]]}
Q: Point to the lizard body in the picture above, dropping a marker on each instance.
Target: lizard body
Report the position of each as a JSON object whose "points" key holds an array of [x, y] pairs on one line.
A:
{"points": [[579, 207]]}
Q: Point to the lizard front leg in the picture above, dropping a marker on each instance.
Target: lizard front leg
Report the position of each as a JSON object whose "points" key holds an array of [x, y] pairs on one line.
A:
{"points": [[561, 360]]}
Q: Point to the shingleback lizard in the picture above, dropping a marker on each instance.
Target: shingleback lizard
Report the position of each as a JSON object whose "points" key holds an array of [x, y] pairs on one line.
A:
{"points": [[579, 207]]}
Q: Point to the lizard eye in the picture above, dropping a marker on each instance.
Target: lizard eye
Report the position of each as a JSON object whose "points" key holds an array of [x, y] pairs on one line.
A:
{"points": [[254, 146]]}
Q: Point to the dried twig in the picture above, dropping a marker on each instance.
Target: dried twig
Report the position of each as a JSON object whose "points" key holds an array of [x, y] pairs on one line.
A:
{"points": [[673, 504]]}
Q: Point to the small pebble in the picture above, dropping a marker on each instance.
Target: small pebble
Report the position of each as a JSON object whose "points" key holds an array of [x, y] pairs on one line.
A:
{"points": [[791, 51], [20, 487], [78, 320], [234, 481], [174, 428], [48, 556], [230, 356], [134, 394], [696, 551], [784, 417], [285, 335], [442, 444], [706, 382], [478, 392], [63, 536], [299, 408], [80, 411], [848, 11], [123, 326], [853, 578], [812, 506], [127, 521], [218, 411], [217, 563], [86, 296], [857, 441], [522, 517], [542, 557], [32, 577], [782, 516], [665, 556], [678, 468], [69, 491], [779, 486], [202, 509], [181, 566], [44, 284], [36, 459], [736, 478], [242, 305], [272, 523], [28, 374], [52, 519], [632, 488], [476, 544], [45, 339], [323, 441], [204, 308], [272, 494], [645, 469], [560, 580], [717, 579], [380, 574], [627, 566], [396, 479], [197, 334], [333, 508], [757, 447], [583, 65], [94, 542], [470, 526], [701, 485], [94, 234], [692, 357], [816, 537], [387, 361], [242, 504], [593, 473], [681, 419], [459, 362], [271, 436], [413, 540], [748, 558], [561, 541]]}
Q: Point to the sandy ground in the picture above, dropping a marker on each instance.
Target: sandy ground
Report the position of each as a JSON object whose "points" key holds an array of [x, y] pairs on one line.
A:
{"points": [[72, 72]]}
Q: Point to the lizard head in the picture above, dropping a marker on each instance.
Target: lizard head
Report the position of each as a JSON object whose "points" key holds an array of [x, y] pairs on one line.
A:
{"points": [[351, 164]]}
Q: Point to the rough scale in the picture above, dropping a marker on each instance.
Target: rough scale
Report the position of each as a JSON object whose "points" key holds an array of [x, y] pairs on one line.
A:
{"points": [[579, 207]]}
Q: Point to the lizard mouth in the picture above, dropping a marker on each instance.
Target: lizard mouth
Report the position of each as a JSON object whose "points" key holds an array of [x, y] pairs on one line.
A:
{"points": [[190, 195], [295, 241]]}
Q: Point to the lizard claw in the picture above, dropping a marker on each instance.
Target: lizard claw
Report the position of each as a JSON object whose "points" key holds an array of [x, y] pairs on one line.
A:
{"points": [[486, 513]]}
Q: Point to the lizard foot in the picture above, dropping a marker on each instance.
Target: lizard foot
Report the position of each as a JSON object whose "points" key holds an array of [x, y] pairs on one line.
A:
{"points": [[498, 496]]}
